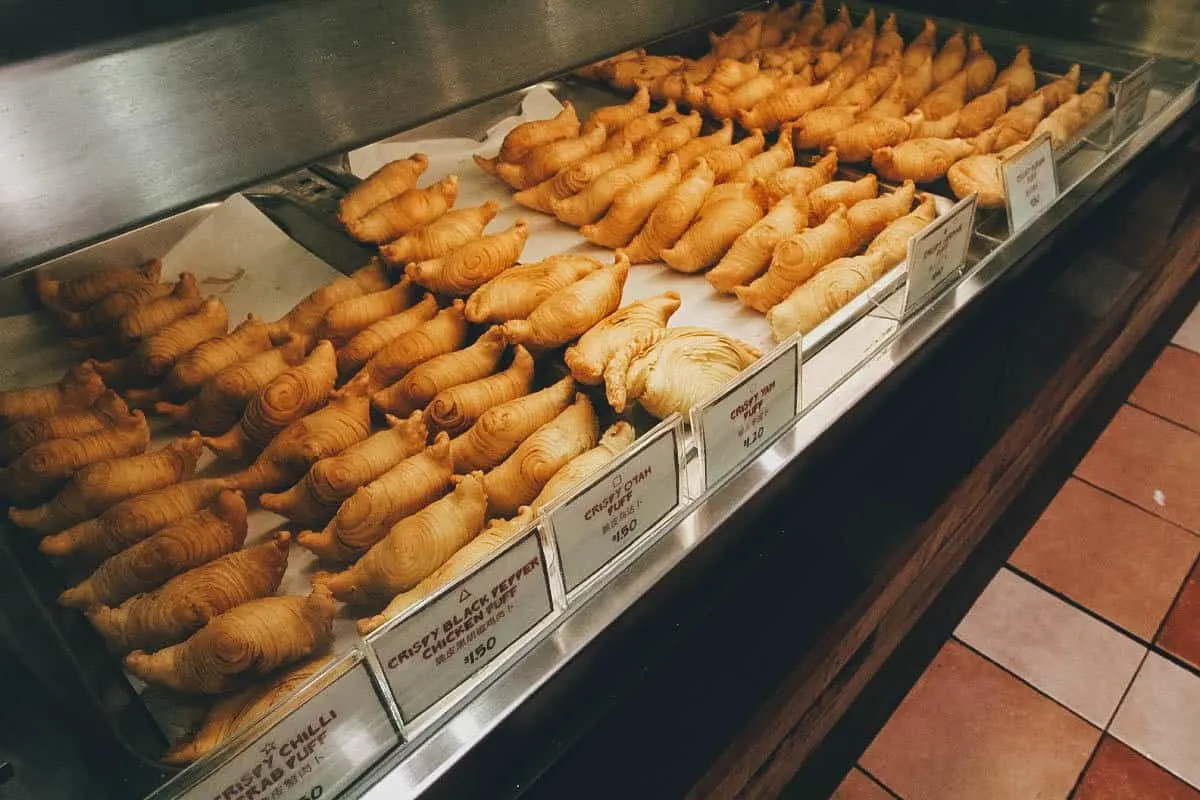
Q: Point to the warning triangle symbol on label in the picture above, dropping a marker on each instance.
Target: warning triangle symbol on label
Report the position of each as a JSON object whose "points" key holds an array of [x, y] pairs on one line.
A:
{"points": [[463, 595]]}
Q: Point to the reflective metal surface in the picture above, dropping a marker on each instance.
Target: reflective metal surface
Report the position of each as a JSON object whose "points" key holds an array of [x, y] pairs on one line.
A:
{"points": [[1165, 27], [98, 141]]}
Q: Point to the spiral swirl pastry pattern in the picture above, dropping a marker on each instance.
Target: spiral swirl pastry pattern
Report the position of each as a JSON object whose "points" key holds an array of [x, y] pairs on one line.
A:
{"points": [[158, 353], [132, 520], [209, 358], [288, 397], [442, 236], [392, 179], [25, 432], [43, 468], [183, 604], [246, 642], [188, 542], [315, 499], [457, 408], [446, 332], [405, 212], [77, 294], [587, 358], [672, 216], [365, 517], [306, 315], [573, 178], [523, 474], [516, 292], [230, 714], [567, 313], [497, 533], [501, 428], [417, 388], [78, 388], [107, 312], [366, 343], [149, 316], [797, 259], [102, 485], [348, 317], [221, 400], [322, 433], [414, 547], [464, 270]]}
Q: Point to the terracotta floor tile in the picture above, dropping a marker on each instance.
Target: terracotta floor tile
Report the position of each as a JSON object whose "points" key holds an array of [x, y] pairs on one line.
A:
{"points": [[1171, 387], [1188, 334], [968, 729], [1151, 463], [1064, 652], [1119, 561], [1117, 772], [1180, 635], [857, 785], [1160, 717]]}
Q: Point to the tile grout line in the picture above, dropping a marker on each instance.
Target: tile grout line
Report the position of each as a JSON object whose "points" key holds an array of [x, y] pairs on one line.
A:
{"points": [[1086, 765], [1151, 645], [1133, 746], [1167, 655], [1128, 687], [1018, 678], [876, 781], [1132, 504], [1174, 600], [1173, 343], [1188, 350], [1155, 762], [1129, 401], [1081, 607]]}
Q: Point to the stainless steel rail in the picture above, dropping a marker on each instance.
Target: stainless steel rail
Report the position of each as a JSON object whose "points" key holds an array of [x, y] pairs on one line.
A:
{"points": [[104, 139]]}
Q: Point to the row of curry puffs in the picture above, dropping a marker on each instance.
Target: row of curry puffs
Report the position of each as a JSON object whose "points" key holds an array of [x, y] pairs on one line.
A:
{"points": [[768, 84], [911, 111], [980, 172], [156, 535], [736, 226], [440, 248], [171, 585]]}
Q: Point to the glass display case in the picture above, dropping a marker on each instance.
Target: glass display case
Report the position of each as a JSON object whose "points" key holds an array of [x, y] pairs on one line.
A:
{"points": [[249, 203]]}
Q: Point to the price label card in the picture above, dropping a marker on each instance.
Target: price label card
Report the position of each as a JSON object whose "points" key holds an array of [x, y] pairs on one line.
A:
{"points": [[938, 251], [313, 752], [622, 502], [745, 416], [427, 654], [1030, 182], [1130, 102]]}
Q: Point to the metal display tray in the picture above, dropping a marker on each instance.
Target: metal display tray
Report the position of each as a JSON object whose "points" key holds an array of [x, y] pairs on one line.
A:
{"points": [[843, 363]]}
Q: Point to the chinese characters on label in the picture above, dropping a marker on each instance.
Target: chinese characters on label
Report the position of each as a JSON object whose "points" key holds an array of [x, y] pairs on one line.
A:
{"points": [[313, 752], [746, 417], [430, 653], [623, 503], [938, 251], [1131, 97], [1030, 183]]}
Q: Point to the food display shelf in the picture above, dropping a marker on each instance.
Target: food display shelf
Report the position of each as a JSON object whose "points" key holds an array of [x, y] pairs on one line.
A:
{"points": [[838, 366], [838, 374]]}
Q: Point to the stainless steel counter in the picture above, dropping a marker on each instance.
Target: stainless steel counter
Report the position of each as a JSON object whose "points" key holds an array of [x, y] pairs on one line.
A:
{"points": [[103, 139]]}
